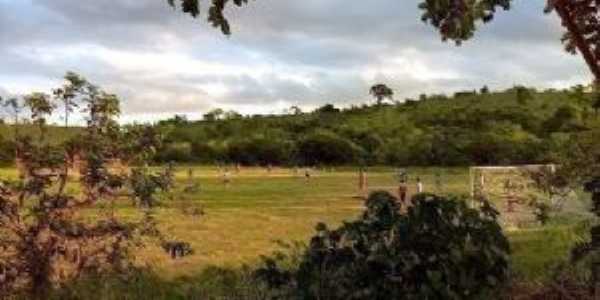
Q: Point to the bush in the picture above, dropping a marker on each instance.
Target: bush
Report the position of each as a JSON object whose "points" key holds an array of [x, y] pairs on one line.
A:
{"points": [[7, 151], [204, 153], [327, 148], [176, 152], [439, 249], [260, 151]]}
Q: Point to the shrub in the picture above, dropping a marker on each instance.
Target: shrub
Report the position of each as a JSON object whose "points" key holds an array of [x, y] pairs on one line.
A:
{"points": [[7, 151], [327, 148], [259, 151], [45, 237], [439, 249], [204, 152], [176, 152]]}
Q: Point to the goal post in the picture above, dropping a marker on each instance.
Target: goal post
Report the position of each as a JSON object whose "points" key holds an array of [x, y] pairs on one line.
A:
{"points": [[504, 182]]}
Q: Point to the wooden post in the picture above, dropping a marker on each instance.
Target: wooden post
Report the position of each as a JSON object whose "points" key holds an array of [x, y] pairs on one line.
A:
{"points": [[362, 182]]}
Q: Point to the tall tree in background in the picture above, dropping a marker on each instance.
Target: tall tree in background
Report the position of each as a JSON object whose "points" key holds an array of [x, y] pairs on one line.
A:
{"points": [[381, 92], [67, 94], [15, 107]]}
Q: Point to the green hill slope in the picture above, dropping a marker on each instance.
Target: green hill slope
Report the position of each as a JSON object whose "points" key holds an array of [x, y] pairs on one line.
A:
{"points": [[507, 127]]}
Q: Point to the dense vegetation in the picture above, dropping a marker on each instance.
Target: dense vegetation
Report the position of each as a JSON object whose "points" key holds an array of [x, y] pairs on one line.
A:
{"points": [[514, 126], [537, 123], [470, 128], [44, 238], [439, 249]]}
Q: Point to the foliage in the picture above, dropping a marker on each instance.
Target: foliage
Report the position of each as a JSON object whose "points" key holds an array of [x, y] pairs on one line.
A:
{"points": [[474, 129], [542, 212], [145, 185], [45, 240], [439, 249], [260, 151], [580, 157], [176, 152], [67, 94], [326, 148], [215, 12], [457, 19], [380, 92]]}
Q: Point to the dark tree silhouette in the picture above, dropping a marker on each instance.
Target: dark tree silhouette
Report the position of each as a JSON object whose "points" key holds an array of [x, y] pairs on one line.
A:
{"points": [[216, 10], [456, 20], [381, 92], [67, 94]]}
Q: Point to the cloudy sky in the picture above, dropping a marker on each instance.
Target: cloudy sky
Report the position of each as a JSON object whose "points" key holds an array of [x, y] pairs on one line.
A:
{"points": [[281, 53]]}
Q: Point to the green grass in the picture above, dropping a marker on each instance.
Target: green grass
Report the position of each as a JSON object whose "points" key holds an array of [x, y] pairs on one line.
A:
{"points": [[244, 219], [536, 251]]}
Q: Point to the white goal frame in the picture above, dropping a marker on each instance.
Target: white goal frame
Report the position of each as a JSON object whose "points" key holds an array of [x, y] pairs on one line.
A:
{"points": [[482, 170]]}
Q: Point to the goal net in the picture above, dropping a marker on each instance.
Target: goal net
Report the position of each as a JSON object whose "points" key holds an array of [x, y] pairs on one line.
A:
{"points": [[516, 190], [501, 182]]}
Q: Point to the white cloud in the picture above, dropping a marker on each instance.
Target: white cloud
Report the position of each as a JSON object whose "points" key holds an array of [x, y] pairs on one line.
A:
{"points": [[282, 53]]}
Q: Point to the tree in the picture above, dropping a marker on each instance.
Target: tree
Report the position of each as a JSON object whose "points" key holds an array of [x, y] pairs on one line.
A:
{"points": [[45, 237], [439, 249], [327, 109], [40, 107], [523, 95], [582, 100], [380, 92], [215, 13], [15, 108], [484, 90], [324, 147], [213, 115], [232, 115], [457, 20], [295, 110], [68, 92]]}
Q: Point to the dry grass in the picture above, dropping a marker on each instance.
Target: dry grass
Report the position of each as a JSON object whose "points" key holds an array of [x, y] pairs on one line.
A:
{"points": [[245, 218]]}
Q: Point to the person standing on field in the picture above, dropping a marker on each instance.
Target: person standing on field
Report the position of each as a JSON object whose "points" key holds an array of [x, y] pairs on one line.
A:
{"points": [[438, 182], [402, 189], [362, 181], [419, 185], [226, 177]]}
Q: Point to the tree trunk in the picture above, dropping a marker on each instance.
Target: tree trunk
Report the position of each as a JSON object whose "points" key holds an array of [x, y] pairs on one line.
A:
{"points": [[578, 38]]}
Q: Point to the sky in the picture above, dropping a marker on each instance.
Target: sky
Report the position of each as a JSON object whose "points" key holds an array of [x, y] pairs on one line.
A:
{"points": [[281, 53]]}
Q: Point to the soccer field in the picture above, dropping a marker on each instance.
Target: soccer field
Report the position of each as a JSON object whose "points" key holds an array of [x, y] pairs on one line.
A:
{"points": [[245, 218]]}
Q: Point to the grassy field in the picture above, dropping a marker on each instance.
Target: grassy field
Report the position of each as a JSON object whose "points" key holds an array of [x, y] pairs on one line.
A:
{"points": [[246, 217]]}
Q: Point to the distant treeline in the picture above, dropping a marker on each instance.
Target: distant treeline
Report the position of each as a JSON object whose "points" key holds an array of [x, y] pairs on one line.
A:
{"points": [[516, 126]]}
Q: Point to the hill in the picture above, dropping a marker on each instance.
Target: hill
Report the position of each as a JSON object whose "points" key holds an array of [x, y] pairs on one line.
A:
{"points": [[514, 126]]}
